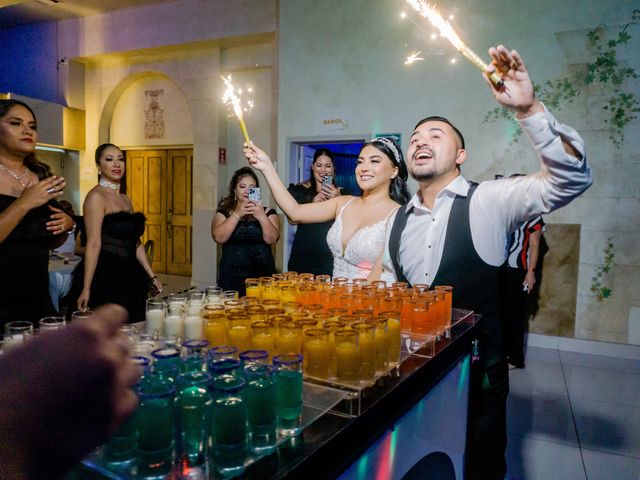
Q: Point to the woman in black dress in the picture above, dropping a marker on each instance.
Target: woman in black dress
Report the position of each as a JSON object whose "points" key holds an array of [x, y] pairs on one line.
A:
{"points": [[115, 268], [246, 231], [31, 221], [310, 252]]}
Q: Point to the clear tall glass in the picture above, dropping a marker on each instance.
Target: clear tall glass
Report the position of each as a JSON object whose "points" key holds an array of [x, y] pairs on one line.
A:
{"points": [[260, 395], [194, 410], [174, 320], [82, 315], [51, 323], [156, 417], [16, 330], [228, 425], [214, 295], [154, 316], [288, 380]]}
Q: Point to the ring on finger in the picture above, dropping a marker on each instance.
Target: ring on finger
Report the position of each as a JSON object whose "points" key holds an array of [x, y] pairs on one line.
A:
{"points": [[51, 190]]}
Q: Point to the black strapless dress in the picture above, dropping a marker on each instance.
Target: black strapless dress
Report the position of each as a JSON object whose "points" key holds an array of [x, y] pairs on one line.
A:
{"points": [[24, 267], [119, 277]]}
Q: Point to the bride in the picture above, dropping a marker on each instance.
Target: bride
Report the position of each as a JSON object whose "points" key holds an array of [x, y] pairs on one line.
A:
{"points": [[356, 239]]}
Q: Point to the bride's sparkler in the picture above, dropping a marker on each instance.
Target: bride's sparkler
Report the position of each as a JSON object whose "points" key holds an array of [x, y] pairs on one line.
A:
{"points": [[231, 98]]}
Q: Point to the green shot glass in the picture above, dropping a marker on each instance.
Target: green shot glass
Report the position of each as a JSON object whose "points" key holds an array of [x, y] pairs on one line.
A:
{"points": [[156, 419], [228, 425], [288, 380], [194, 417], [260, 397]]}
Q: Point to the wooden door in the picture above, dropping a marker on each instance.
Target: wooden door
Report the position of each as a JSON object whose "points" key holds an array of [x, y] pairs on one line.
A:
{"points": [[179, 211], [159, 185]]}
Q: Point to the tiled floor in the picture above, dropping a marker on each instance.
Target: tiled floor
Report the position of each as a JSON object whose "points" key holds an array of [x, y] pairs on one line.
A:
{"points": [[574, 416]]}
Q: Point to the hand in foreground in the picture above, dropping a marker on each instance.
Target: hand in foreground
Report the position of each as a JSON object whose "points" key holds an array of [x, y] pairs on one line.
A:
{"points": [[62, 394], [257, 157], [517, 92], [43, 191], [60, 222]]}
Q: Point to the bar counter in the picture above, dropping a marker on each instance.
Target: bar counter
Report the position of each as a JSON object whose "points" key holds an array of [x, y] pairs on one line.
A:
{"points": [[336, 440], [361, 434]]}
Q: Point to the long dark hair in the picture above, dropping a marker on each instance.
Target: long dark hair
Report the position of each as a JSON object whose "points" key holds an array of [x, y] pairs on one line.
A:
{"points": [[100, 150], [228, 203], [398, 186], [30, 161], [319, 153]]}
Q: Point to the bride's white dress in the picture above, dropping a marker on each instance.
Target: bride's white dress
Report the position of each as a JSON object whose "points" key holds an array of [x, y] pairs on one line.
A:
{"points": [[362, 251]]}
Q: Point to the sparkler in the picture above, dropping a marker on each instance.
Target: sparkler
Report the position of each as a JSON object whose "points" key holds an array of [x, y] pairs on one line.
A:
{"points": [[447, 31], [230, 97], [414, 57]]}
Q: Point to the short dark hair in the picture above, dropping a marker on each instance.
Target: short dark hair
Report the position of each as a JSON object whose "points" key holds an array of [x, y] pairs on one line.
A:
{"points": [[435, 118]]}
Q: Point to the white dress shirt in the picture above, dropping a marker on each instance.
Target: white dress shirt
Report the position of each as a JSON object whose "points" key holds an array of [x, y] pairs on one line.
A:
{"points": [[497, 207]]}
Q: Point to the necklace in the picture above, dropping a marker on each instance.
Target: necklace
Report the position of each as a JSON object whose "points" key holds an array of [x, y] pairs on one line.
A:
{"points": [[14, 174], [106, 183]]}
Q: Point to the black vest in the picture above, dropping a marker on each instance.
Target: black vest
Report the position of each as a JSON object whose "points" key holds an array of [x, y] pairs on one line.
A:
{"points": [[475, 283]]}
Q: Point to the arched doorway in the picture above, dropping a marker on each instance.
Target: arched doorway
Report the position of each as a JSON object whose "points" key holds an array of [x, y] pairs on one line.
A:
{"points": [[151, 122]]}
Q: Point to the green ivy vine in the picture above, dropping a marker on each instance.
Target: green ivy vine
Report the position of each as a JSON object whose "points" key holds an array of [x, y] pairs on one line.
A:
{"points": [[622, 105], [600, 290]]}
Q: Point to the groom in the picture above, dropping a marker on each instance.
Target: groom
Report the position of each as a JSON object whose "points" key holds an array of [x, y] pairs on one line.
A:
{"points": [[454, 232]]}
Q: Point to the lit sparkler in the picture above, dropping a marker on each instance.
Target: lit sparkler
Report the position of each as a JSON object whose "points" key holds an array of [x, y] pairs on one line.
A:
{"points": [[447, 31], [230, 97], [414, 57]]}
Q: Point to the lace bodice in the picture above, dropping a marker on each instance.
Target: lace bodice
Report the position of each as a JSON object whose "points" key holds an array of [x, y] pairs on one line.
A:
{"points": [[361, 252]]}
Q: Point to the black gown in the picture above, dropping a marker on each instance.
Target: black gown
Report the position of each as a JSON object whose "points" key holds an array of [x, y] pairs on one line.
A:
{"points": [[244, 255], [24, 266], [119, 276], [310, 252]]}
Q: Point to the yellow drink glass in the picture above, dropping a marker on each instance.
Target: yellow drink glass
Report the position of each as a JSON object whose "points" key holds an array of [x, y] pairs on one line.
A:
{"points": [[215, 328], [316, 352], [347, 356], [238, 333], [289, 338], [367, 350], [262, 337]]}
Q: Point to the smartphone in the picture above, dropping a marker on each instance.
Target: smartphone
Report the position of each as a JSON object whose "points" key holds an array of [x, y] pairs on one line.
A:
{"points": [[327, 180], [254, 194]]}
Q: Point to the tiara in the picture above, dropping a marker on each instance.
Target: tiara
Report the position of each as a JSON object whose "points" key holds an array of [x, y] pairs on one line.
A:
{"points": [[391, 146]]}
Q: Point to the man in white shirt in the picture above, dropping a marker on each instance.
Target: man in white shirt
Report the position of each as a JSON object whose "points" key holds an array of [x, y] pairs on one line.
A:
{"points": [[455, 233]]}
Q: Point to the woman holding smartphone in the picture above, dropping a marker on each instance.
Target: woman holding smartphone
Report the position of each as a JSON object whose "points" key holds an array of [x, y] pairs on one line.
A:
{"points": [[310, 252], [246, 231]]}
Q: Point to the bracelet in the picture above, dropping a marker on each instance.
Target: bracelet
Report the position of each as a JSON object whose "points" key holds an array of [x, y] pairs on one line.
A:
{"points": [[153, 278], [239, 217]]}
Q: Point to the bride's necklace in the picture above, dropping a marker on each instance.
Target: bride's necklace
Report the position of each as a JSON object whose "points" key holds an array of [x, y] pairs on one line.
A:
{"points": [[14, 174], [106, 183]]}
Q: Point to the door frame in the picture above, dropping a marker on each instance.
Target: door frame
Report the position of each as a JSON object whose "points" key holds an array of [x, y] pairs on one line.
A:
{"points": [[293, 171]]}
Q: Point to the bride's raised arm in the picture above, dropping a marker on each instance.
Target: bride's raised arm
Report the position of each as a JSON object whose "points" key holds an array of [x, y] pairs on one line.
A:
{"points": [[297, 213]]}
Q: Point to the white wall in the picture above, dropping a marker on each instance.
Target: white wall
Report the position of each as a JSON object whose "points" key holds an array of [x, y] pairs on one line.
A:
{"points": [[348, 56], [127, 127]]}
